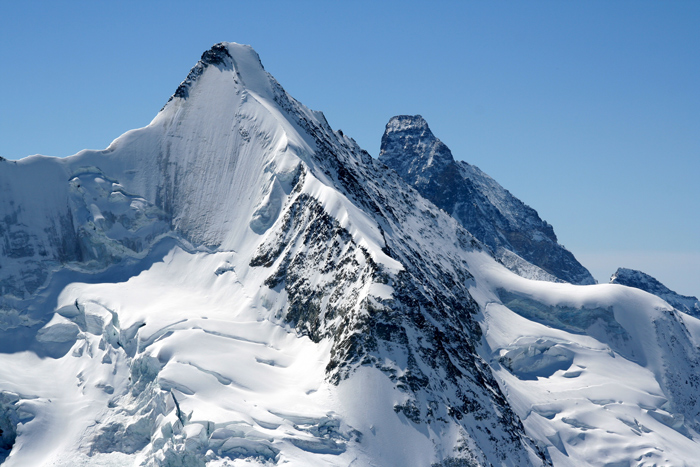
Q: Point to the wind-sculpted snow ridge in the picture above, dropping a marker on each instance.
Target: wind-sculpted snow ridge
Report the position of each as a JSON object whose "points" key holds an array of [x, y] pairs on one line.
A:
{"points": [[522, 241], [647, 283], [237, 284]]}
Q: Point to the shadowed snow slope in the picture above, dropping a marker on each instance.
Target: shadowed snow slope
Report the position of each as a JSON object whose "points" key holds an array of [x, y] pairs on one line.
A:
{"points": [[238, 284]]}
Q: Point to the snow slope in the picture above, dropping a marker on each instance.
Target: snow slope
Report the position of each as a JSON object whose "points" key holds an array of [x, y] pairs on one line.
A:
{"points": [[238, 284], [603, 375]]}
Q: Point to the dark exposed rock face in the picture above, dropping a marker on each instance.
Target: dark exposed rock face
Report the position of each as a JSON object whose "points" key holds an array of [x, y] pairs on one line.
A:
{"points": [[487, 210], [640, 280], [217, 56], [8, 423]]}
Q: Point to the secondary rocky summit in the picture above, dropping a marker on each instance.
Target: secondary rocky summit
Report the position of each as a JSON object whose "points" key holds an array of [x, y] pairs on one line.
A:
{"points": [[515, 232]]}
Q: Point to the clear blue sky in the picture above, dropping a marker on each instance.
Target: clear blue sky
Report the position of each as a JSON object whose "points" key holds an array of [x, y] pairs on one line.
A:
{"points": [[587, 111]]}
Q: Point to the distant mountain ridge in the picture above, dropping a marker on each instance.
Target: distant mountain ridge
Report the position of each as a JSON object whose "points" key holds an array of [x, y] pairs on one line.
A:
{"points": [[647, 283], [491, 213]]}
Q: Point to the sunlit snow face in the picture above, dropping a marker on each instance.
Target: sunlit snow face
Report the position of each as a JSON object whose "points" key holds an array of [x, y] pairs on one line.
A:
{"points": [[588, 369]]}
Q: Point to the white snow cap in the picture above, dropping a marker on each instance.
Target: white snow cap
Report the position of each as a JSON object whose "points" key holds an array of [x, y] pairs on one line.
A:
{"points": [[249, 72]]}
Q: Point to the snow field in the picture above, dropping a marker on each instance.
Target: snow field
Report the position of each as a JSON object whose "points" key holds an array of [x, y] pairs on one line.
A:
{"points": [[595, 401], [231, 379]]}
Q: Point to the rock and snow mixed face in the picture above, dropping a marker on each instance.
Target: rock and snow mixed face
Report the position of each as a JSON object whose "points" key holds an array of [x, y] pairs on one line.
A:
{"points": [[522, 241], [238, 284], [642, 281]]}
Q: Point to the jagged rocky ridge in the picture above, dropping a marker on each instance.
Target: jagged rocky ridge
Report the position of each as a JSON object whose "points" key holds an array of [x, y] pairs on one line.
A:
{"points": [[647, 283], [515, 232], [238, 284]]}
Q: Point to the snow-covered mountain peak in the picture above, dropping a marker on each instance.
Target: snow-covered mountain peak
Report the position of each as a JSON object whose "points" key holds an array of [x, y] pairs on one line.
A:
{"points": [[240, 59], [239, 220]]}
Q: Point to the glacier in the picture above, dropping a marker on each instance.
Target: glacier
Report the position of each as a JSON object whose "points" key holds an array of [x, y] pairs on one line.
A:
{"points": [[239, 284]]}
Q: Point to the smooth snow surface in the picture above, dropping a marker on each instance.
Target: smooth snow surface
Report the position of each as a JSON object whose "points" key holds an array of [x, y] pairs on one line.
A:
{"points": [[238, 285], [603, 375]]}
